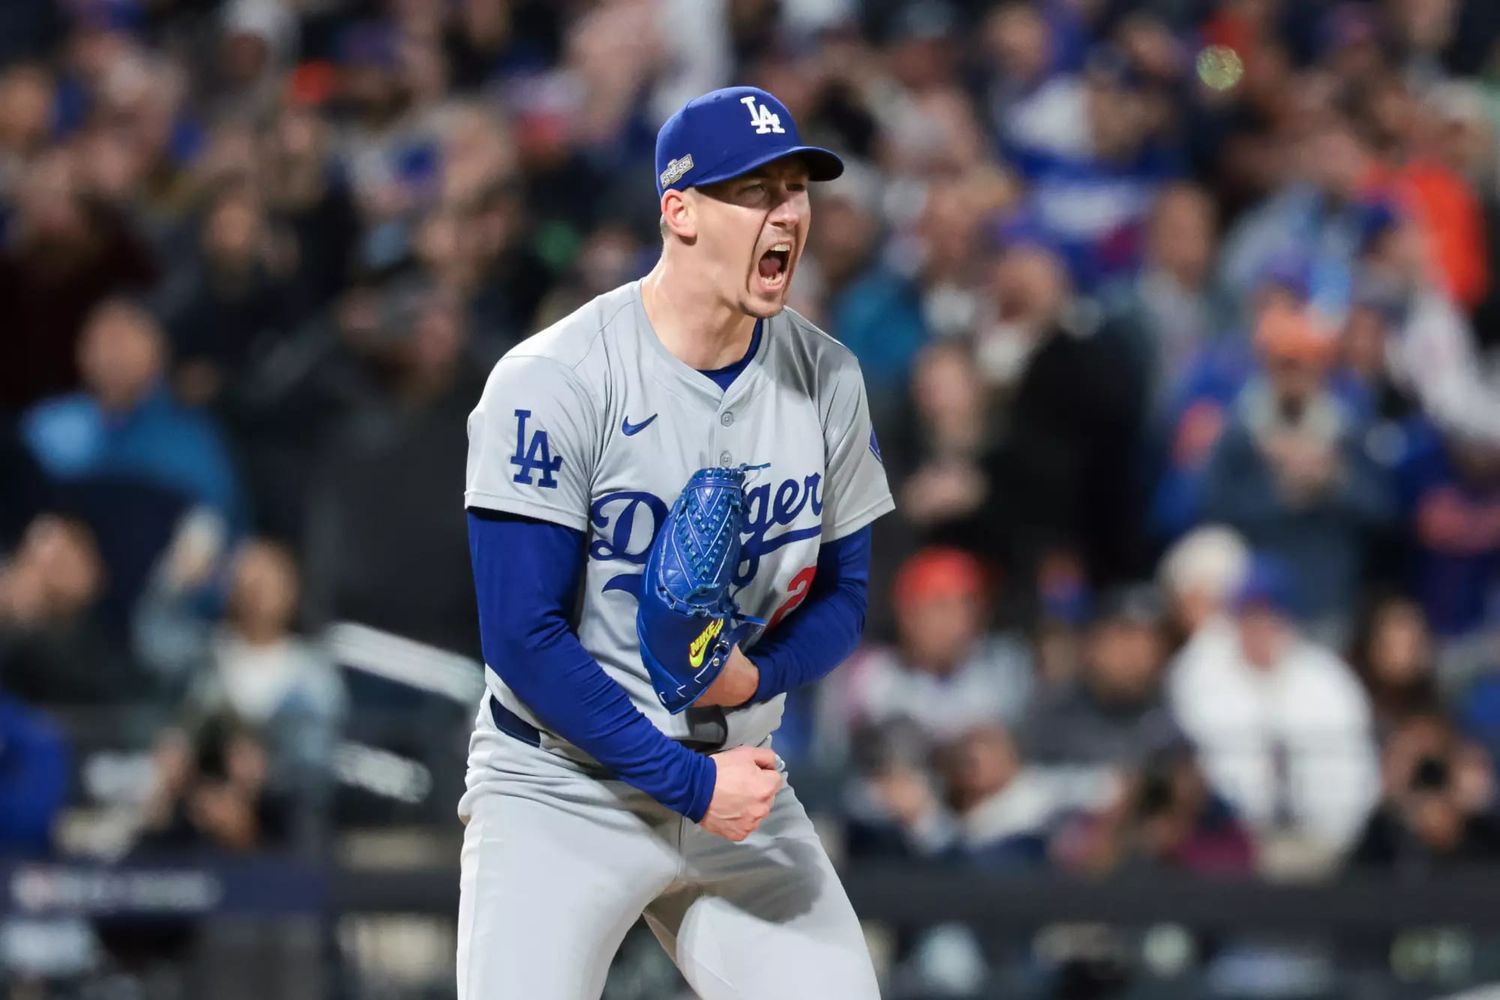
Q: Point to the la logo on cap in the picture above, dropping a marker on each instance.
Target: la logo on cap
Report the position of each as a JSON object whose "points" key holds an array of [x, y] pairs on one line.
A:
{"points": [[761, 117]]}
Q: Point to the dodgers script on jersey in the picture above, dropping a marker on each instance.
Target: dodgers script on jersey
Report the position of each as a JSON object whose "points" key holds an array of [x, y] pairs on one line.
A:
{"points": [[595, 425]]}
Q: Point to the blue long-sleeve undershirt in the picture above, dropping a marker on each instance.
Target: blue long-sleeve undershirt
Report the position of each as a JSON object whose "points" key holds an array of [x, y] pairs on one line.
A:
{"points": [[526, 575], [820, 634]]}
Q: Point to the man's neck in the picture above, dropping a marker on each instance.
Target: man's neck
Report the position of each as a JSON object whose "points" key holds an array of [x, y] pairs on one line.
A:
{"points": [[701, 330], [1184, 280], [123, 404]]}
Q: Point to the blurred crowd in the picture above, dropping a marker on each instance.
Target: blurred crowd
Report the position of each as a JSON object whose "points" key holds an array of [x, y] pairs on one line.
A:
{"points": [[1179, 321]]}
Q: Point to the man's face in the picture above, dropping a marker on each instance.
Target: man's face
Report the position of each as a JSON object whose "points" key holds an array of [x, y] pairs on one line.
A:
{"points": [[1118, 119], [1336, 160], [1294, 380], [1124, 659], [979, 764], [1182, 233], [750, 232], [120, 355], [1264, 635], [938, 631]]}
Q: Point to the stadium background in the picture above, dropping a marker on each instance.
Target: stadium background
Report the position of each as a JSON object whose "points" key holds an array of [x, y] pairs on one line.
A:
{"points": [[1178, 319]]}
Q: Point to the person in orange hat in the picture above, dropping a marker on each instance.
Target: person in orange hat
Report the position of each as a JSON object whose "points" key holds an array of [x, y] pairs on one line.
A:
{"points": [[1290, 472], [946, 672]]}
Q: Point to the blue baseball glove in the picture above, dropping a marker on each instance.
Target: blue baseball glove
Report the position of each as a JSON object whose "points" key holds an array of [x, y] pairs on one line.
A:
{"points": [[687, 622]]}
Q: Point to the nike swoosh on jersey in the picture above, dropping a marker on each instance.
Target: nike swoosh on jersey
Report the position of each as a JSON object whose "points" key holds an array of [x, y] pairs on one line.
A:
{"points": [[630, 429]]}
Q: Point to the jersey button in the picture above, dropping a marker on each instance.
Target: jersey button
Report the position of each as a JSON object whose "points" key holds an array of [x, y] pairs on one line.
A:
{"points": [[725, 458], [726, 418]]}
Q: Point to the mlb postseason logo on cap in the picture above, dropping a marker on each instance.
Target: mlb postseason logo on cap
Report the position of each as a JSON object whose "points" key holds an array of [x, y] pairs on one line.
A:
{"points": [[676, 169], [730, 132]]}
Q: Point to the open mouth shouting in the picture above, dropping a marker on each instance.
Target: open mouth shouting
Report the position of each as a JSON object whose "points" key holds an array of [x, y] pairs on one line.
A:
{"points": [[775, 267]]}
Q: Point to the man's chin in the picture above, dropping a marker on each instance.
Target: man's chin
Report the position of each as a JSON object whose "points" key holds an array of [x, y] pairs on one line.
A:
{"points": [[763, 306]]}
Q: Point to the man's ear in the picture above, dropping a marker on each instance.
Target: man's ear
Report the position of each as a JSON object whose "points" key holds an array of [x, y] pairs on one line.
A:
{"points": [[678, 215]]}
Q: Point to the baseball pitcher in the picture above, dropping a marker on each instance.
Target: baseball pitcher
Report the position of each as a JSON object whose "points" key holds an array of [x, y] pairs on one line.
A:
{"points": [[669, 495]]}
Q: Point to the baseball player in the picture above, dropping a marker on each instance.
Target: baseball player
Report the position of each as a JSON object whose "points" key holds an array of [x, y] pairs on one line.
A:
{"points": [[683, 431]]}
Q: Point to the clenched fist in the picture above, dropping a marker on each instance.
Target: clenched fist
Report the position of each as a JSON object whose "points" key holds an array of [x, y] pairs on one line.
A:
{"points": [[744, 789]]}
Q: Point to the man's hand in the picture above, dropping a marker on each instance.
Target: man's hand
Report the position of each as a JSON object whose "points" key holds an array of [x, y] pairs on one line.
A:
{"points": [[735, 684], [744, 788]]}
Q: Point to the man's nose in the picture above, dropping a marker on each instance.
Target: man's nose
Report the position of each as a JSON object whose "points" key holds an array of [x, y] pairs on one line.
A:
{"points": [[785, 212]]}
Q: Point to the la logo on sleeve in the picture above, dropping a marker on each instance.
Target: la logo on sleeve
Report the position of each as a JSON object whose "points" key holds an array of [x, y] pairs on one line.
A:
{"points": [[534, 454]]}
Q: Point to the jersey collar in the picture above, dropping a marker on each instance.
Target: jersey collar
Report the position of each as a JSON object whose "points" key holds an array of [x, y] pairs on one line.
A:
{"points": [[689, 378]]}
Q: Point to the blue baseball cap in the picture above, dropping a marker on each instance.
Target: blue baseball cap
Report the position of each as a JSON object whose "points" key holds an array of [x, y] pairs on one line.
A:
{"points": [[1269, 583], [729, 132]]}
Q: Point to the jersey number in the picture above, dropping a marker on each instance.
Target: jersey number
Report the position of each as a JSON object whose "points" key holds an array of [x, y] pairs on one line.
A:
{"points": [[796, 594], [537, 456]]}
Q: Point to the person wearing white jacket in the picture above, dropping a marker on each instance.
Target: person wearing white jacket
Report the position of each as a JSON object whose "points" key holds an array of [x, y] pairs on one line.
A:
{"points": [[1282, 727], [1430, 353]]}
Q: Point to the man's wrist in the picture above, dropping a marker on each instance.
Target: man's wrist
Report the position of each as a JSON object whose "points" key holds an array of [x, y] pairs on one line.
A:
{"points": [[745, 676]]}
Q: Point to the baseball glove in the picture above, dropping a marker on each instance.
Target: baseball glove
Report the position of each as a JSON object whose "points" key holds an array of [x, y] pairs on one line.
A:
{"points": [[686, 621]]}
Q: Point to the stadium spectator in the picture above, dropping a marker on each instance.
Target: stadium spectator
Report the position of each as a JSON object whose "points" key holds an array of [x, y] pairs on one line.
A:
{"points": [[1062, 474], [1394, 655], [1171, 307], [1316, 215], [1438, 808], [126, 423], [64, 255], [1363, 352], [221, 309], [1291, 472], [26, 96], [304, 194], [1444, 211], [1115, 714], [931, 284], [840, 247], [1200, 575], [252, 667], [1093, 202], [386, 463], [1166, 817], [1450, 492], [1282, 727], [211, 794], [52, 649], [1431, 353], [938, 449], [1190, 426], [946, 673], [988, 808], [1063, 603], [1035, 105]]}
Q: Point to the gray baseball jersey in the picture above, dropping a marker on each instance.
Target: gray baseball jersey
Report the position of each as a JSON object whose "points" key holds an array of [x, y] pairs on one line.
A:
{"points": [[595, 425]]}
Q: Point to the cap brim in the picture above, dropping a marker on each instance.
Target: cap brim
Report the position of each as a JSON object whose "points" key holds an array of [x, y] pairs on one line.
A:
{"points": [[822, 165]]}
